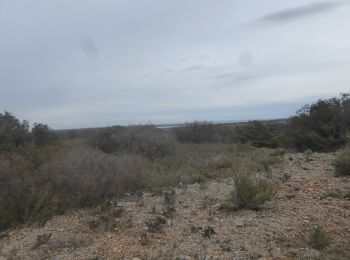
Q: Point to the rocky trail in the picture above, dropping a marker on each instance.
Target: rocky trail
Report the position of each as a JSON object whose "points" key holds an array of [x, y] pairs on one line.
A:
{"points": [[308, 195]]}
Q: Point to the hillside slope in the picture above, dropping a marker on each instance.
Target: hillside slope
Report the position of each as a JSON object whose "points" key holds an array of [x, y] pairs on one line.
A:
{"points": [[311, 197]]}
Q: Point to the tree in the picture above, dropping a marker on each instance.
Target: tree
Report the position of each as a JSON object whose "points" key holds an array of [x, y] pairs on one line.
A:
{"points": [[321, 126], [43, 135], [13, 133]]}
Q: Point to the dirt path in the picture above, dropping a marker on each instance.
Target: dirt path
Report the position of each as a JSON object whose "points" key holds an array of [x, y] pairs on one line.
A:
{"points": [[312, 196]]}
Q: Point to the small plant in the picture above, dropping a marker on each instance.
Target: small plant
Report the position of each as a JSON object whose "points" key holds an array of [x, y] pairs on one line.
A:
{"points": [[78, 241], [103, 222], [169, 203], [153, 209], [342, 163], [105, 216], [206, 202], [139, 199], [155, 224], [42, 239], [308, 154], [226, 246], [195, 229], [144, 240], [208, 231], [334, 193], [249, 193], [112, 208], [285, 177], [319, 239]]}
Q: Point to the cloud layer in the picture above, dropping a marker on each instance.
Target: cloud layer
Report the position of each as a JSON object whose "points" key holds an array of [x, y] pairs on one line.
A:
{"points": [[94, 63], [300, 12]]}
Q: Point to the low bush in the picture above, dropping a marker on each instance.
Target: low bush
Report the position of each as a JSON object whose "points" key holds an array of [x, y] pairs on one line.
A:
{"points": [[260, 134], [43, 135], [13, 133], [80, 177], [322, 126], [342, 163], [249, 193], [200, 132], [308, 154], [145, 140], [319, 239], [155, 224]]}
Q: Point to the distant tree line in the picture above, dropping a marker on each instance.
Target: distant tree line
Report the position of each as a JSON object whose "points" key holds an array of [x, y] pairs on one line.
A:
{"points": [[15, 134], [322, 126]]}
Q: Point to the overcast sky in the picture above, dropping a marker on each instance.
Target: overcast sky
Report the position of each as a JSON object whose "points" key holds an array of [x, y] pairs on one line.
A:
{"points": [[87, 63]]}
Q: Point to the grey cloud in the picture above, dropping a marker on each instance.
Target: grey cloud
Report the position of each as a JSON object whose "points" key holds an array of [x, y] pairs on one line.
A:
{"points": [[88, 45], [225, 75], [298, 12], [74, 63], [194, 67], [182, 60], [202, 57], [168, 70]]}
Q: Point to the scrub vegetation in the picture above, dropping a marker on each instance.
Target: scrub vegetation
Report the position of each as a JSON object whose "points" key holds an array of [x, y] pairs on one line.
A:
{"points": [[45, 172]]}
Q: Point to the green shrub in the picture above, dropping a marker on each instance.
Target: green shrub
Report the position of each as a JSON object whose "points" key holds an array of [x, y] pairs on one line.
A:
{"points": [[308, 154], [342, 162], [260, 134], [319, 239], [249, 193], [321, 126]]}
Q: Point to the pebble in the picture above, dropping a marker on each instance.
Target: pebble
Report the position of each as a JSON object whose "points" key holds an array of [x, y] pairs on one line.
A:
{"points": [[238, 223]]}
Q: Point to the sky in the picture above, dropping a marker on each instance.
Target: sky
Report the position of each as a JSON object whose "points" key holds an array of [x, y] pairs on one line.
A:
{"points": [[85, 63]]}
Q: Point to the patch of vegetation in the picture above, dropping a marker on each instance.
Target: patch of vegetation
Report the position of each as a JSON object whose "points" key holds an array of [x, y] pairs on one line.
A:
{"points": [[319, 239], [155, 224], [308, 154], [169, 203], [42, 239], [342, 163], [322, 126], [144, 239], [45, 172], [145, 140], [74, 242], [260, 134], [42, 135], [201, 132], [208, 231], [80, 177], [226, 246], [206, 202], [249, 193], [13, 133]]}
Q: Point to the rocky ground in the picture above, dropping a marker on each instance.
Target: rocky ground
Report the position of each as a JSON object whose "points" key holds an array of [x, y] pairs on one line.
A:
{"points": [[308, 195]]}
